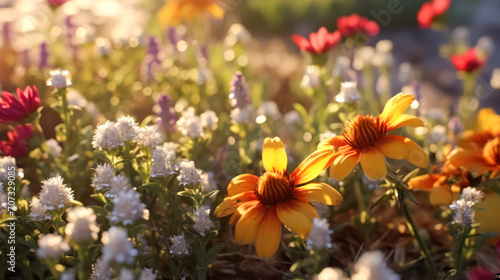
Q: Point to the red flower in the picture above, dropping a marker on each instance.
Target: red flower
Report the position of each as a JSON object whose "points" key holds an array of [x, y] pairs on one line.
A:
{"points": [[14, 110], [430, 10], [468, 61], [18, 139], [354, 24], [481, 272], [56, 3], [319, 43]]}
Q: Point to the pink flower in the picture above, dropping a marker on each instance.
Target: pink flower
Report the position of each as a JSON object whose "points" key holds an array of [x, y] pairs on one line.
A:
{"points": [[431, 10], [17, 109], [318, 43], [18, 139], [355, 24], [468, 61], [56, 3]]}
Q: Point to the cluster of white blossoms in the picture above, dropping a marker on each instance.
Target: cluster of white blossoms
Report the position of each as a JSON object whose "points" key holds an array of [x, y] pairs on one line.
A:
{"points": [[150, 136], [320, 235], [118, 184], [126, 274], [7, 164], [51, 246], [117, 247], [348, 93], [100, 270], [202, 221], [55, 149], [463, 214], [193, 126], [128, 208], [4, 198], [370, 266], [106, 136], [170, 148], [38, 213], [242, 115], [163, 162], [55, 194], [104, 174], [188, 174], [208, 182], [147, 274], [180, 245], [82, 224], [59, 78]]}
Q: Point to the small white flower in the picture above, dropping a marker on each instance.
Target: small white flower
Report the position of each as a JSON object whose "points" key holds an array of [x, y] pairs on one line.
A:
{"points": [[472, 194], [348, 93], [69, 275], [326, 135], [4, 199], [239, 115], [75, 98], [55, 194], [462, 212], [126, 274], [405, 73], [190, 125], [127, 208], [293, 118], [372, 266], [38, 213], [342, 64], [208, 182], [104, 174], [202, 221], [330, 273], [269, 109], [82, 224], [128, 128], [59, 78], [180, 246], [171, 149], [320, 235], [188, 174], [118, 184], [117, 248], [495, 78], [7, 164], [150, 136], [54, 148], [100, 271], [363, 57], [51, 246], [106, 136], [147, 274], [486, 44], [311, 77], [209, 119], [163, 164]]}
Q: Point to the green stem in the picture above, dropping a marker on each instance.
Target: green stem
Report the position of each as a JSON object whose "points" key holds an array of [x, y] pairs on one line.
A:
{"points": [[67, 121], [423, 248], [460, 256], [368, 90]]}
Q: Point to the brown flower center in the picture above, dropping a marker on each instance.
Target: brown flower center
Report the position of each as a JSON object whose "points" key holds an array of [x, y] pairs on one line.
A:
{"points": [[491, 151], [274, 187], [364, 131]]}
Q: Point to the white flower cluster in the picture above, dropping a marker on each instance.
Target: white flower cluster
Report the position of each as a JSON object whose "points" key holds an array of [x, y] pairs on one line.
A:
{"points": [[100, 271], [193, 126], [59, 78], [348, 93], [55, 149], [55, 194], [170, 148], [128, 128], [106, 136], [370, 266], [6, 164], [242, 115], [51, 246], [117, 248], [202, 221], [126, 274], [180, 246], [150, 136], [163, 162], [82, 224], [320, 235], [463, 214], [127, 208], [208, 182], [188, 174], [147, 274], [38, 213], [105, 180], [3, 198]]}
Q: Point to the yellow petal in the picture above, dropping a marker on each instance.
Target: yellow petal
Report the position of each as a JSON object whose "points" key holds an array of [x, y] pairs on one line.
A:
{"points": [[488, 219], [269, 234], [392, 146], [230, 204], [234, 218], [318, 192], [343, 165], [395, 107], [416, 155], [169, 14], [297, 216], [488, 120], [405, 120], [373, 163], [336, 142], [441, 196], [247, 226], [242, 183], [423, 182], [216, 10], [274, 155], [313, 165], [471, 160]]}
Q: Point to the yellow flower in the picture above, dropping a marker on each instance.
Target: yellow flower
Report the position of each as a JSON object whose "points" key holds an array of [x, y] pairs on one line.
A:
{"points": [[259, 205], [365, 140], [488, 219], [175, 11]]}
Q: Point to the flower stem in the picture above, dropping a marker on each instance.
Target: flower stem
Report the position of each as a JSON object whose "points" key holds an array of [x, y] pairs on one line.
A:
{"points": [[67, 121], [423, 248]]}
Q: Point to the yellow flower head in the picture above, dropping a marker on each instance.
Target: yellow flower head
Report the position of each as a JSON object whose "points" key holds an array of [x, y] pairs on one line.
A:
{"points": [[175, 11], [365, 140], [259, 205]]}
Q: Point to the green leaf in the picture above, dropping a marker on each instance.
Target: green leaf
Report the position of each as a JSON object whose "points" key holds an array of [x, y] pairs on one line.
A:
{"points": [[212, 253]]}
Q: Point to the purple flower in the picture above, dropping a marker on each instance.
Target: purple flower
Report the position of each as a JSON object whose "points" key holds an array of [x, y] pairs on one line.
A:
{"points": [[239, 94], [167, 115], [455, 126], [151, 63], [6, 34], [43, 63]]}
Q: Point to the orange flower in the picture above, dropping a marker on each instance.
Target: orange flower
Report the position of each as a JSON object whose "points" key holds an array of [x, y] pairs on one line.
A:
{"points": [[259, 205], [444, 187], [365, 140], [176, 10], [487, 127], [486, 216]]}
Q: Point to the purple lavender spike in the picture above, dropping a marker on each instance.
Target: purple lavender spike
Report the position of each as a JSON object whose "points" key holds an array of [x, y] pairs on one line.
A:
{"points": [[239, 94], [44, 57], [167, 115], [455, 125], [151, 63], [172, 36]]}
